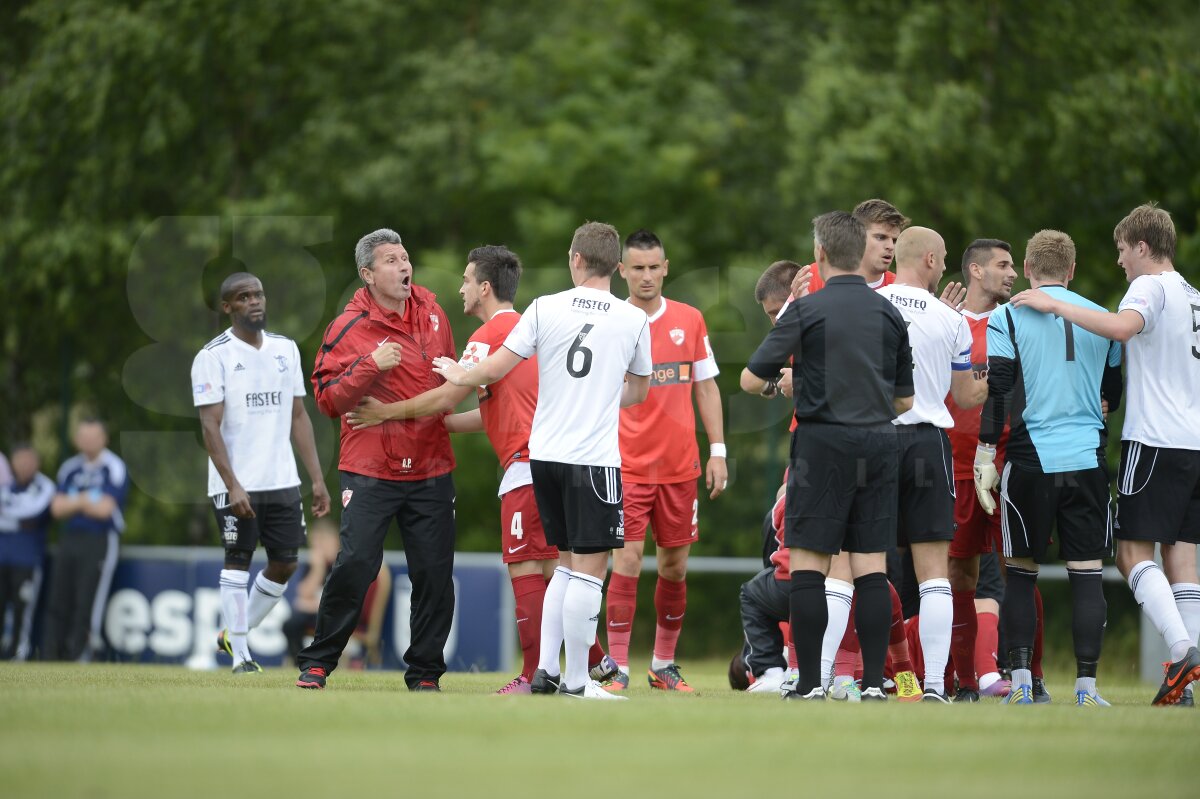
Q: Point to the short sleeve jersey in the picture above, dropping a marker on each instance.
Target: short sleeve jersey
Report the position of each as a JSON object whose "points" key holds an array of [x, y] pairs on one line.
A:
{"points": [[257, 386], [105, 475], [941, 343], [586, 340], [506, 406], [658, 436], [1055, 411], [816, 284], [1163, 392], [964, 436]]}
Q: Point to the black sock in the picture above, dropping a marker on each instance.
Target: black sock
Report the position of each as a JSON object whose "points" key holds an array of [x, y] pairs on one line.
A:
{"points": [[809, 619], [1089, 615], [1018, 613], [873, 621]]}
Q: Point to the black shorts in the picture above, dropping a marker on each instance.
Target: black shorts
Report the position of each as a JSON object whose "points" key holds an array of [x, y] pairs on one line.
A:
{"points": [[991, 583], [278, 521], [1158, 494], [841, 491], [580, 506], [1035, 503], [926, 485]]}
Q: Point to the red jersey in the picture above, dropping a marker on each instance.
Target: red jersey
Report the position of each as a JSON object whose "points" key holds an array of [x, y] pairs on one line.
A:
{"points": [[658, 436], [816, 284], [507, 406], [345, 372], [964, 436]]}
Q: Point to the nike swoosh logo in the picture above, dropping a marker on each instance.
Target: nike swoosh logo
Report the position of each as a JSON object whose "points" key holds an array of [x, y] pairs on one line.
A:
{"points": [[521, 620], [618, 624], [674, 618], [511, 550], [964, 624], [380, 343]]}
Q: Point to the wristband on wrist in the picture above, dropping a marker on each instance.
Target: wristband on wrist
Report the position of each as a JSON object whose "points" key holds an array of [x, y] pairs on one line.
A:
{"points": [[716, 450]]}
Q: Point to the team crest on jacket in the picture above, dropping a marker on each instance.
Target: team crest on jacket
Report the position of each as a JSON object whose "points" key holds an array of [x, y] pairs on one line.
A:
{"points": [[433, 318], [677, 336], [346, 496]]}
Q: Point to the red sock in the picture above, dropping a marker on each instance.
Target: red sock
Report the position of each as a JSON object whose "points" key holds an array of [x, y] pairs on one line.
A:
{"points": [[912, 628], [898, 642], [845, 662], [986, 643], [670, 602], [786, 629], [1036, 666], [596, 653], [622, 603], [529, 591], [962, 639]]}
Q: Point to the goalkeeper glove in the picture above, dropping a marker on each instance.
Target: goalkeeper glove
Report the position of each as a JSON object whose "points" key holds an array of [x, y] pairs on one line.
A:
{"points": [[986, 477]]}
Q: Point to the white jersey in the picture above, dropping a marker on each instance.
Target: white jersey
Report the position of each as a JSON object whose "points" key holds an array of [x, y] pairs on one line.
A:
{"points": [[1162, 395], [257, 387], [941, 343], [586, 340]]}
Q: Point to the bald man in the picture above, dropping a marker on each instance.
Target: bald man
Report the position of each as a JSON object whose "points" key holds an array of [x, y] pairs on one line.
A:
{"points": [[941, 345]]}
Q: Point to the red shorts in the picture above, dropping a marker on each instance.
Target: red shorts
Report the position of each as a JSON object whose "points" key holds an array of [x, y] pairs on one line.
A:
{"points": [[671, 510], [976, 532], [521, 535]]}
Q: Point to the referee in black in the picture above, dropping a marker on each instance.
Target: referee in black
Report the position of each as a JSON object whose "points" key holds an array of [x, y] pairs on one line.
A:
{"points": [[852, 374]]}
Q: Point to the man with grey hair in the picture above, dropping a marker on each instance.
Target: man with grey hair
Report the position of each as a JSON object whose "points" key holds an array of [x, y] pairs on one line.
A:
{"points": [[383, 344]]}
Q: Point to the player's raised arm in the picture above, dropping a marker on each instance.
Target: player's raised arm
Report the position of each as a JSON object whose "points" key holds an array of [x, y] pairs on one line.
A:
{"points": [[492, 368], [443, 399], [1120, 326]]}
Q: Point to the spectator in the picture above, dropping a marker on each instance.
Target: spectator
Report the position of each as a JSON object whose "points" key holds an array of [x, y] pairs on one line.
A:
{"points": [[90, 500], [24, 522]]}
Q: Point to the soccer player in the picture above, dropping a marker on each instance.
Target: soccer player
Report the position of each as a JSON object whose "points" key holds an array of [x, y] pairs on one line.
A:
{"points": [[1158, 486], [883, 222], [505, 413], [853, 375], [989, 274], [249, 387], [941, 351], [1046, 375], [381, 345], [593, 358], [764, 602], [660, 463]]}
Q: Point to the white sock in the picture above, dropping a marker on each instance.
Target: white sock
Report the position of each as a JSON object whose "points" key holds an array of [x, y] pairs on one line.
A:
{"points": [[937, 619], [552, 621], [1153, 593], [1022, 677], [657, 664], [1187, 599], [1087, 684], [263, 596], [580, 611], [986, 681], [838, 596], [233, 609]]}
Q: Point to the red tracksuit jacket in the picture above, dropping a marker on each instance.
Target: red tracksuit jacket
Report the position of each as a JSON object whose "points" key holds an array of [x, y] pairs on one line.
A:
{"points": [[344, 372]]}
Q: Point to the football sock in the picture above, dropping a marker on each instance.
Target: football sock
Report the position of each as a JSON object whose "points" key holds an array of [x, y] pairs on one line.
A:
{"points": [[809, 619], [1187, 599], [1087, 684], [233, 608], [581, 610], [845, 663], [552, 621], [898, 638], [263, 596], [986, 645], [622, 603], [937, 617], [1019, 615], [1089, 612], [872, 618], [1153, 593], [529, 590], [670, 602], [596, 653], [1035, 665], [838, 598], [962, 639], [785, 627]]}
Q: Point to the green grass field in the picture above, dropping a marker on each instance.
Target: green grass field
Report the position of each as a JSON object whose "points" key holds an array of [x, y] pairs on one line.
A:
{"points": [[133, 731]]}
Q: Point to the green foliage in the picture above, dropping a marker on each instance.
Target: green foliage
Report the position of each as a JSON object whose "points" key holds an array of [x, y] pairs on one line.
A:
{"points": [[151, 147]]}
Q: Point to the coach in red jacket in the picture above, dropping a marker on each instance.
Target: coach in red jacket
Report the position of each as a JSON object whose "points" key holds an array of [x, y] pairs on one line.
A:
{"points": [[382, 345]]}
